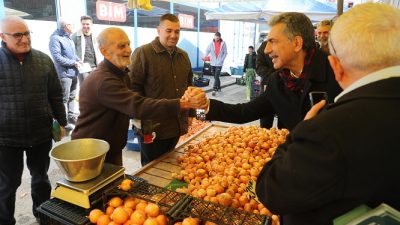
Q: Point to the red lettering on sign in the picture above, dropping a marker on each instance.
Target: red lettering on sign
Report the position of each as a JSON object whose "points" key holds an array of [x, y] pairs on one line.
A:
{"points": [[110, 11], [186, 21]]}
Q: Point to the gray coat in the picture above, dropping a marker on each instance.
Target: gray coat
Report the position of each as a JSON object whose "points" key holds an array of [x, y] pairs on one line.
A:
{"points": [[216, 61], [62, 50]]}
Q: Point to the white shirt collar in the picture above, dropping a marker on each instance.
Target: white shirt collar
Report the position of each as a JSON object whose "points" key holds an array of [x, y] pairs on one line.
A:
{"points": [[386, 73]]}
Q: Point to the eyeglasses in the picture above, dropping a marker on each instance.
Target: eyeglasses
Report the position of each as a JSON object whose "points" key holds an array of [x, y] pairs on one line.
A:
{"points": [[18, 36]]}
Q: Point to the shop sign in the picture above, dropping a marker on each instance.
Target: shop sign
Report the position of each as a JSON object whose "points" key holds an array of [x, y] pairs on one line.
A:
{"points": [[110, 11], [186, 21]]}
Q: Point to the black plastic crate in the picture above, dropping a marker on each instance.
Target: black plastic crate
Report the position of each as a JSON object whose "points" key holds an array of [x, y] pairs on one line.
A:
{"points": [[201, 82], [165, 198], [58, 212], [209, 211], [135, 179]]}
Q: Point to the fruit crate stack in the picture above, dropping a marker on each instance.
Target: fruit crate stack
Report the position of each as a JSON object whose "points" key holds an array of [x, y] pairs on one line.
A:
{"points": [[216, 213], [178, 206], [58, 212], [165, 198]]}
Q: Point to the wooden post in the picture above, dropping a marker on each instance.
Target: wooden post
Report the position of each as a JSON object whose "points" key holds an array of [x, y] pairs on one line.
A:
{"points": [[339, 7]]}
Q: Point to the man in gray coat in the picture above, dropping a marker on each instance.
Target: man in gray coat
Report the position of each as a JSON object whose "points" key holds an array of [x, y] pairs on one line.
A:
{"points": [[62, 50]]}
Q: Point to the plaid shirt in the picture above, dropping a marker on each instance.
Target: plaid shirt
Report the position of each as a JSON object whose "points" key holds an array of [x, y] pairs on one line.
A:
{"points": [[297, 84]]}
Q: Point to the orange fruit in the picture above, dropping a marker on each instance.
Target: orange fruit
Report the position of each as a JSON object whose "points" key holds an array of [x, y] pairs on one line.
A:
{"points": [[150, 221], [138, 217], [152, 210], [120, 215], [162, 219], [115, 202], [94, 215], [103, 220]]}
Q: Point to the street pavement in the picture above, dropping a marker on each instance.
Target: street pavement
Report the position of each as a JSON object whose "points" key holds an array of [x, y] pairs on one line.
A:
{"points": [[231, 93]]}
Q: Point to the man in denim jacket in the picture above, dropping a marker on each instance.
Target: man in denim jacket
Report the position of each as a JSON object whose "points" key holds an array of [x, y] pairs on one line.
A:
{"points": [[62, 50]]}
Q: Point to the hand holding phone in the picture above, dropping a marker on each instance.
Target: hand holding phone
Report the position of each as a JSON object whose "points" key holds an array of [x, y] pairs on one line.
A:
{"points": [[317, 96]]}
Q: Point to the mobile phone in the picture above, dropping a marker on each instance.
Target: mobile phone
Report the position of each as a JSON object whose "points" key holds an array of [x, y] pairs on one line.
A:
{"points": [[317, 96]]}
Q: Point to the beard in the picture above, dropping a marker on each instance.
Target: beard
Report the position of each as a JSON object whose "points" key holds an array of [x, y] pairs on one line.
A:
{"points": [[323, 42]]}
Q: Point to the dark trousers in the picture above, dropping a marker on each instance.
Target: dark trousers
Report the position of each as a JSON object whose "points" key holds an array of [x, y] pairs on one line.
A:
{"points": [[152, 151], [114, 156], [69, 88], [11, 168], [216, 72]]}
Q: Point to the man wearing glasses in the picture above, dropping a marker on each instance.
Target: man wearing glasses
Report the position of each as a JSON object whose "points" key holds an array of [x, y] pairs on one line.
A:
{"points": [[30, 97], [62, 50]]}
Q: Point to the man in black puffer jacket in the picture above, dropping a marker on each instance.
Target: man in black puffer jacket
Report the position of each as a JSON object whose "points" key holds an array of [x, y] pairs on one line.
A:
{"points": [[30, 97]]}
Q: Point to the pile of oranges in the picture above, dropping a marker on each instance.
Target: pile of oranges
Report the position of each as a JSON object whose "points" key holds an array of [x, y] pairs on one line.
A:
{"points": [[128, 211], [219, 168]]}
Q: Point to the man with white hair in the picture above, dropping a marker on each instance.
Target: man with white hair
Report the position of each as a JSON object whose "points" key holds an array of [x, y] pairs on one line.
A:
{"points": [[348, 155], [62, 50]]}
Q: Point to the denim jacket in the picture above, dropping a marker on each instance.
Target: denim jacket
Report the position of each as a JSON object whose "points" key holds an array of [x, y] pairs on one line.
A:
{"points": [[62, 50]]}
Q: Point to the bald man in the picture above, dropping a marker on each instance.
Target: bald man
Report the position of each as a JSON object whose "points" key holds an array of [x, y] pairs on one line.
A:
{"points": [[106, 102], [30, 97]]}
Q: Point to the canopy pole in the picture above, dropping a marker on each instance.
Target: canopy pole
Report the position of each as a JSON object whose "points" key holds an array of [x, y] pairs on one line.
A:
{"points": [[339, 7]]}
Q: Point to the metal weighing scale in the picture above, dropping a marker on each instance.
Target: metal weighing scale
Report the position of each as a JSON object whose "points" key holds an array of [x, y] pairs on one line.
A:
{"points": [[88, 193]]}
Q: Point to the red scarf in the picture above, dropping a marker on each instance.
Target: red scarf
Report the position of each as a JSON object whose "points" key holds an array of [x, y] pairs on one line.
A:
{"points": [[297, 84]]}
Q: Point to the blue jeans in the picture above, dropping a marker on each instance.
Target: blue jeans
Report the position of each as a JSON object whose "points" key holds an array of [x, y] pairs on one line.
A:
{"points": [[11, 168], [216, 71], [69, 86]]}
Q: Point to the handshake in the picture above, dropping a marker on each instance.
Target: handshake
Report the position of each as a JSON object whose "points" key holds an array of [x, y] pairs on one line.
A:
{"points": [[194, 98]]}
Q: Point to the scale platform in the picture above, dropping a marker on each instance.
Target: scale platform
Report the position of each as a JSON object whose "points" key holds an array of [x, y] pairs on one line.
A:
{"points": [[86, 194]]}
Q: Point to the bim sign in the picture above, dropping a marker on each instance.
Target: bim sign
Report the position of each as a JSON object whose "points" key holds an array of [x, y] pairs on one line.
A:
{"points": [[186, 21], [110, 11]]}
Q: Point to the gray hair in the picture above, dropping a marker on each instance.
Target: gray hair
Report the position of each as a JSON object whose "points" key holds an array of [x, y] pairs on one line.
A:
{"points": [[62, 22], [297, 24], [102, 38], [367, 37], [325, 23], [11, 19]]}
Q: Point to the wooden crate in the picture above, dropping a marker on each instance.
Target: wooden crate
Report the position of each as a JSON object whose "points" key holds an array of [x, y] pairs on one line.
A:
{"points": [[159, 171]]}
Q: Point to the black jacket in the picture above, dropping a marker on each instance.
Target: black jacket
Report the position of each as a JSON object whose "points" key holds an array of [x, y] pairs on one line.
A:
{"points": [[30, 96], [342, 158], [252, 64], [264, 65], [279, 100]]}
